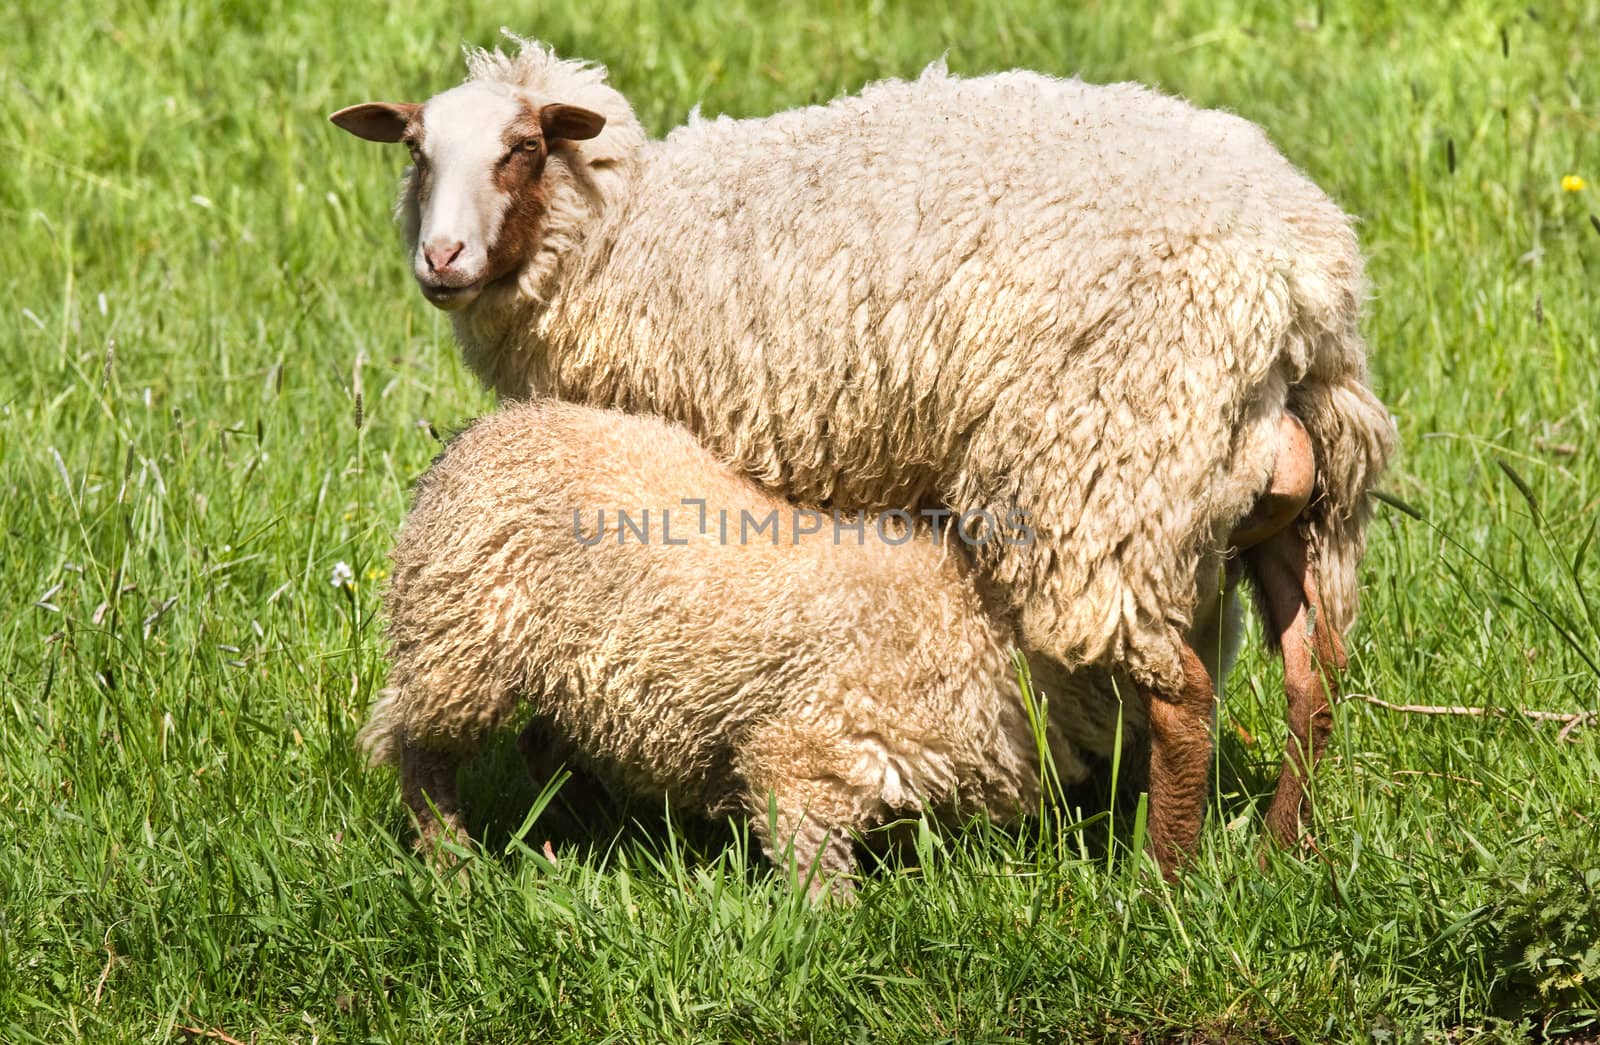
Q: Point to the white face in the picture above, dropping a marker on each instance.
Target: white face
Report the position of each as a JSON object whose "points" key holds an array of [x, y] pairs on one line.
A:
{"points": [[478, 153], [461, 205]]}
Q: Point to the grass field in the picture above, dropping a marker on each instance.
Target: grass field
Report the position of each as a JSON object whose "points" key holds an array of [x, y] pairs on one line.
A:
{"points": [[202, 283]]}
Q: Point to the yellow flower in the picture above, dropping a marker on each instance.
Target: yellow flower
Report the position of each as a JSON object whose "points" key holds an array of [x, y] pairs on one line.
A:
{"points": [[1573, 183]]}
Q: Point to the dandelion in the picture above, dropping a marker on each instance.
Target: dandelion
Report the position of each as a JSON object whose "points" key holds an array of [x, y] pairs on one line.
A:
{"points": [[376, 573], [1573, 183], [343, 575]]}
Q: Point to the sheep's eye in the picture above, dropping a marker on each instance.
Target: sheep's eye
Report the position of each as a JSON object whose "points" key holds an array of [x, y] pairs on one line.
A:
{"points": [[416, 152], [529, 145]]}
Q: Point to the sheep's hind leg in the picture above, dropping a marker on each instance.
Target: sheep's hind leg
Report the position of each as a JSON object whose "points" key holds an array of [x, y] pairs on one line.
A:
{"points": [[1313, 654], [545, 754], [1180, 761], [428, 787]]}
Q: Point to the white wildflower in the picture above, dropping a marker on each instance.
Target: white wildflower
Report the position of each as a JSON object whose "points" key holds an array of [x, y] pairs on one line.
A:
{"points": [[343, 575]]}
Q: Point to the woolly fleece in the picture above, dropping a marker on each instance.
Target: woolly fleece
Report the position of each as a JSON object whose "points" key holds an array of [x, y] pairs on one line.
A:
{"points": [[852, 681], [1089, 302]]}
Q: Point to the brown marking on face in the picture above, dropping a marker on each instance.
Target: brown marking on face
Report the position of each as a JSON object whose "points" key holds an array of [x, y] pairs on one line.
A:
{"points": [[421, 169], [519, 175]]}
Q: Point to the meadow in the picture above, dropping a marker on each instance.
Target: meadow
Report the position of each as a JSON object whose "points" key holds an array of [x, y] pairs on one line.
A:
{"points": [[217, 383]]}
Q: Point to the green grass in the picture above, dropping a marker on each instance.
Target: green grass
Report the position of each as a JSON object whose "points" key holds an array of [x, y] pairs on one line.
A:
{"points": [[201, 278]]}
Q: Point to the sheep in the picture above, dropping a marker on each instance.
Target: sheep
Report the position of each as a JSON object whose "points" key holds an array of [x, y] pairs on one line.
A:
{"points": [[675, 630], [1093, 309]]}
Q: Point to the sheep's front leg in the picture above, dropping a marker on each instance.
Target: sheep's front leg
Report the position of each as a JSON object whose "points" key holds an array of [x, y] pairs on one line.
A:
{"points": [[824, 853], [1313, 654], [1180, 760], [801, 804]]}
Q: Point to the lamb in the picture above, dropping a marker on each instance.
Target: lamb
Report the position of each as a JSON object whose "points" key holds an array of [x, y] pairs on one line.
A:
{"points": [[851, 674], [1101, 319]]}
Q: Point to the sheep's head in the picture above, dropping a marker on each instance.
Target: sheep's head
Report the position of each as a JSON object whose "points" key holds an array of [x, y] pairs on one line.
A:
{"points": [[477, 185]]}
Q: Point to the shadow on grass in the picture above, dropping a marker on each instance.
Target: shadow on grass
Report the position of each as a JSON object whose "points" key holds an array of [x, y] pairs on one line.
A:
{"points": [[586, 818], [584, 815]]}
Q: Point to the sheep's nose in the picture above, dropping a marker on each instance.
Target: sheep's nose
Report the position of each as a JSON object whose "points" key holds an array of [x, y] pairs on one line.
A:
{"points": [[440, 254]]}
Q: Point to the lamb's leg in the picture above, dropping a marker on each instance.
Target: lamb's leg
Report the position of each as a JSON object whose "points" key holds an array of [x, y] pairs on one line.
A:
{"points": [[1180, 759], [1313, 654], [429, 776], [811, 828], [545, 755], [816, 810]]}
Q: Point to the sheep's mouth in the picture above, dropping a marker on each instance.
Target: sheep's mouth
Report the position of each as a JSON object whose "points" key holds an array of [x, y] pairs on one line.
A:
{"points": [[450, 298]]}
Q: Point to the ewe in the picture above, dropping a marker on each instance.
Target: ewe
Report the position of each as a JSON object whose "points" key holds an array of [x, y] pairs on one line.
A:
{"points": [[1092, 308]]}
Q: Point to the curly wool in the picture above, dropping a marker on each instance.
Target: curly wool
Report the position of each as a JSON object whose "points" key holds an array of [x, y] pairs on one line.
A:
{"points": [[1089, 302], [849, 680]]}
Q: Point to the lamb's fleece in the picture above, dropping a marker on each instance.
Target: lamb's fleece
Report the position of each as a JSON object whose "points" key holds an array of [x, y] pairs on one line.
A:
{"points": [[1089, 302], [849, 680]]}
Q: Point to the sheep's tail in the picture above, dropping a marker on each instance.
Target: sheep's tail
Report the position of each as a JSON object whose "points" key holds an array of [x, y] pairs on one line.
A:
{"points": [[1352, 436], [380, 739]]}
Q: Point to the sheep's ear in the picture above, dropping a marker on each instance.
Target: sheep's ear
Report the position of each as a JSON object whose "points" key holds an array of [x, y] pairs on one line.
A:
{"points": [[570, 122], [377, 121]]}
